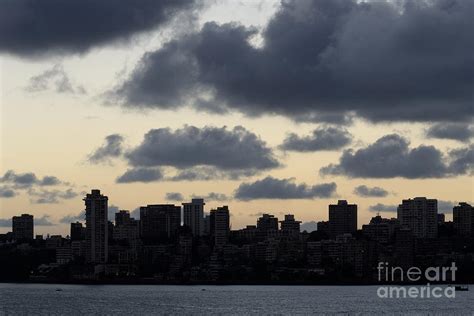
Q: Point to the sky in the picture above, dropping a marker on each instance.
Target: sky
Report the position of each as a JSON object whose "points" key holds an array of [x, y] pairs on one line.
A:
{"points": [[265, 106]]}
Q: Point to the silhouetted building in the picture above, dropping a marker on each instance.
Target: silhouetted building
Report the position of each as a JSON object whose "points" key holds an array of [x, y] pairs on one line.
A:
{"points": [[420, 215], [22, 227], [126, 228], [159, 221], [220, 225], [381, 229], [342, 218], [267, 222], [78, 232], [96, 227], [290, 225], [193, 216], [441, 218], [323, 226], [122, 217], [463, 218]]}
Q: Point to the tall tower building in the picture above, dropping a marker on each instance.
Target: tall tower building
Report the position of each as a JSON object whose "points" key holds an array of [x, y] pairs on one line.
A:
{"points": [[420, 215], [342, 218], [193, 216], [463, 218], [96, 227], [220, 225], [22, 227]]}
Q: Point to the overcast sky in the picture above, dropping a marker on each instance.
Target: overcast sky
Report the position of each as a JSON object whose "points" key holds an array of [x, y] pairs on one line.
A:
{"points": [[260, 105]]}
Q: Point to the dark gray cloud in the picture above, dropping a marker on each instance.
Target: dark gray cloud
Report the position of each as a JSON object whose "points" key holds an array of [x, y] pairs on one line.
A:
{"points": [[383, 60], [324, 138], [309, 226], [37, 27], [462, 160], [27, 180], [233, 150], [43, 221], [365, 191], [379, 207], [174, 196], [111, 148], [6, 192], [111, 212], [390, 156], [212, 196], [460, 131], [140, 175], [50, 196], [81, 216], [54, 78], [272, 188], [203, 173], [5, 222], [71, 218]]}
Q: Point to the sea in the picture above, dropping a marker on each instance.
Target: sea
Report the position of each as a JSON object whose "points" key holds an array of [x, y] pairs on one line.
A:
{"points": [[60, 299]]}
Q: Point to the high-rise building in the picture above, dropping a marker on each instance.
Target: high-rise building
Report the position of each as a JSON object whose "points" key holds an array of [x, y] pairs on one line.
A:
{"points": [[77, 231], [323, 227], [289, 224], [122, 217], [381, 229], [220, 225], [463, 218], [193, 216], [159, 221], [267, 222], [22, 227], [342, 218], [420, 215], [96, 227]]}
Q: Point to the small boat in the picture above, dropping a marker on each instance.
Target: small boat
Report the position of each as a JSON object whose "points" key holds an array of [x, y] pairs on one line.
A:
{"points": [[58, 290], [461, 288]]}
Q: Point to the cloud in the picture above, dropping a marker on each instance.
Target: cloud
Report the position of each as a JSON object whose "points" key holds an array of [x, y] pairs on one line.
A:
{"points": [[174, 196], [5, 222], [112, 209], [309, 226], [111, 148], [34, 27], [381, 60], [325, 138], [462, 160], [203, 153], [272, 188], [27, 180], [56, 78], [461, 132], [443, 207], [71, 218], [390, 156], [50, 197], [140, 175], [43, 221], [365, 191], [212, 196], [379, 207], [6, 192], [203, 173]]}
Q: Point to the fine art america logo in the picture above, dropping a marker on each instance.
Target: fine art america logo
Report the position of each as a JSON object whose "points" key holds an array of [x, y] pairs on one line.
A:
{"points": [[388, 274]]}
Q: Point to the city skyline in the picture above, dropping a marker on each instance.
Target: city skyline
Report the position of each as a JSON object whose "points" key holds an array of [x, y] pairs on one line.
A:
{"points": [[193, 213], [264, 105], [175, 244]]}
